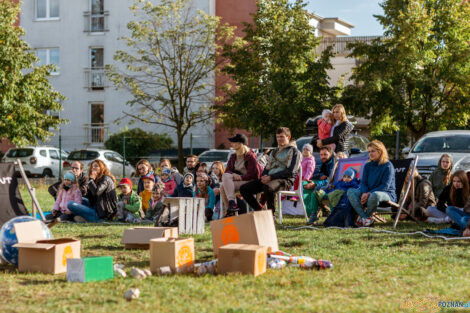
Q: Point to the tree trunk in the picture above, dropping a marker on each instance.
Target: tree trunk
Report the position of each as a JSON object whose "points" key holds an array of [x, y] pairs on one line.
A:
{"points": [[180, 152]]}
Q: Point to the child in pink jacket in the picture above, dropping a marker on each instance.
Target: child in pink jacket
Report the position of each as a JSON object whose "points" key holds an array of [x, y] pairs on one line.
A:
{"points": [[167, 179], [68, 191]]}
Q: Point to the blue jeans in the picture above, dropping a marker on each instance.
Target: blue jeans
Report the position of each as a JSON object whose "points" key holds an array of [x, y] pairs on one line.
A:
{"points": [[354, 197], [458, 216], [82, 210]]}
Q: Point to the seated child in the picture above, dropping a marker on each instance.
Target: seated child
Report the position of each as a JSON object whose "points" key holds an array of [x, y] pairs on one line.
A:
{"points": [[148, 184], [156, 202], [168, 180], [129, 206], [68, 191], [204, 191], [186, 188]]}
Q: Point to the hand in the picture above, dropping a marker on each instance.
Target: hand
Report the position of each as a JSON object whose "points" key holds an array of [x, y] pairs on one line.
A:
{"points": [[54, 213], [323, 177], [310, 185], [236, 177], [93, 174], [216, 191], [67, 211], [364, 198], [265, 179], [466, 232], [319, 143]]}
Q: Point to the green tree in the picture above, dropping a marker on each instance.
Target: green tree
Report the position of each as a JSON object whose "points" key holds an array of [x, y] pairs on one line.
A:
{"points": [[139, 143], [279, 80], [417, 77], [26, 96], [170, 64]]}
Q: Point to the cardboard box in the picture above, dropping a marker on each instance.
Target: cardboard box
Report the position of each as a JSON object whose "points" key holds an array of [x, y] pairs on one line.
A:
{"points": [[240, 258], [255, 228], [90, 269], [35, 254], [177, 253], [139, 237]]}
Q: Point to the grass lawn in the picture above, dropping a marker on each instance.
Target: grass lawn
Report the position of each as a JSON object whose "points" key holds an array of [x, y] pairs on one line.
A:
{"points": [[372, 272]]}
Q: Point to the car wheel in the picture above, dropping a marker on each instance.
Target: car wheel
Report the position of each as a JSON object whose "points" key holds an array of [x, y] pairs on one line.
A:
{"points": [[47, 173]]}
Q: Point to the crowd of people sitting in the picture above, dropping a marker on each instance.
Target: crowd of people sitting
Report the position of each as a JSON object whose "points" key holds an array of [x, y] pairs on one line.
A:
{"points": [[230, 190]]}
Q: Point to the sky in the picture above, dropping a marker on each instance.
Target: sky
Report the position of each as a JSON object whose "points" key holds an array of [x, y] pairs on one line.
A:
{"points": [[357, 12]]}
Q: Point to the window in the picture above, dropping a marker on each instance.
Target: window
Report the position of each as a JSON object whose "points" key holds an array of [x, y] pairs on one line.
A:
{"points": [[97, 15], [97, 122], [20, 153], [49, 56], [47, 9], [96, 72], [54, 155], [43, 153]]}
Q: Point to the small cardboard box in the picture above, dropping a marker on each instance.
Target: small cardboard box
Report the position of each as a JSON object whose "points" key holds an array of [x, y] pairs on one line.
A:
{"points": [[255, 228], [36, 254], [90, 269], [240, 258], [177, 253], [139, 237]]}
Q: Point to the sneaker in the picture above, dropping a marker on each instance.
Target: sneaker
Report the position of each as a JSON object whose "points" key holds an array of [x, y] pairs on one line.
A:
{"points": [[313, 218], [366, 222], [436, 220], [359, 221], [79, 219]]}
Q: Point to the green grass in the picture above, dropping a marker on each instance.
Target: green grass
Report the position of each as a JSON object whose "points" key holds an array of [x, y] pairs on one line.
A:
{"points": [[373, 272]]}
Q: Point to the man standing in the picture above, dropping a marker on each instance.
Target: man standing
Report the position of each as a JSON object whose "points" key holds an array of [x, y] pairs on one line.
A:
{"points": [[279, 174]]}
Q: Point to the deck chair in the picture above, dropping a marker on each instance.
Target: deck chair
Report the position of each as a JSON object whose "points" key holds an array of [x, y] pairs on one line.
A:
{"points": [[10, 197], [402, 170], [297, 193]]}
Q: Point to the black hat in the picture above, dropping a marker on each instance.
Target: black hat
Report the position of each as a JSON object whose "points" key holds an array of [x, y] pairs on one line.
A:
{"points": [[239, 138]]}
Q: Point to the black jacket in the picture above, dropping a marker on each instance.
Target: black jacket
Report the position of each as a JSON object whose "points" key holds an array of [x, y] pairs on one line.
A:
{"points": [[340, 137], [181, 191], [102, 197], [444, 199]]}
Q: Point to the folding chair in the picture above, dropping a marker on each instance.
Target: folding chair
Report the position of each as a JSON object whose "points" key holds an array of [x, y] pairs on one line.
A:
{"points": [[297, 193]]}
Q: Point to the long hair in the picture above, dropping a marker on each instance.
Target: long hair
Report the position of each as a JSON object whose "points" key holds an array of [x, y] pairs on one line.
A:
{"points": [[340, 107], [462, 176], [102, 171], [146, 163], [165, 161], [380, 147], [446, 179], [205, 190], [221, 168]]}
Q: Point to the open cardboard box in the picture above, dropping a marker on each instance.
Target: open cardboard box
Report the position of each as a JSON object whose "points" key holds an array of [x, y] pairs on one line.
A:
{"points": [[139, 237], [36, 254]]}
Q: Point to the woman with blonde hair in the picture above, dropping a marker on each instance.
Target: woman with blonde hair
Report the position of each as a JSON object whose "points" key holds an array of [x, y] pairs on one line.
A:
{"points": [[339, 132], [101, 195], [377, 184]]}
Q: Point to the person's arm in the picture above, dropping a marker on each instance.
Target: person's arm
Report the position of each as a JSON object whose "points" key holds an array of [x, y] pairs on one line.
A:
{"points": [[211, 203], [443, 198], [364, 187], [252, 168], [387, 178], [98, 188], [466, 207], [56, 207], [342, 131], [135, 203], [231, 164], [175, 192], [77, 195], [292, 164], [425, 194]]}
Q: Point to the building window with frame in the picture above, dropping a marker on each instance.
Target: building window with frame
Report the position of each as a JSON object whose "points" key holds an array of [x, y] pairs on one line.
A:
{"points": [[47, 9], [49, 56]]}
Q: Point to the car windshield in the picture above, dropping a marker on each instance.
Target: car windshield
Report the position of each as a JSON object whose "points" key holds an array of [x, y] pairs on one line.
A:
{"points": [[458, 143], [212, 156], [19, 153], [82, 155]]}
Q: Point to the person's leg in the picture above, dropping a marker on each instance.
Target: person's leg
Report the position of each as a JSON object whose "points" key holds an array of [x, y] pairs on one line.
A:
{"points": [[270, 190], [86, 202], [311, 203], [458, 216], [373, 202], [120, 210], [229, 188], [82, 210], [248, 190], [354, 197], [432, 211], [209, 214]]}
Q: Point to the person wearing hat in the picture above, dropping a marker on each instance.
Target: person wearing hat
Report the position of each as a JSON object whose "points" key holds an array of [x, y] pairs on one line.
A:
{"points": [[167, 179], [68, 191], [242, 167], [129, 206], [186, 188]]}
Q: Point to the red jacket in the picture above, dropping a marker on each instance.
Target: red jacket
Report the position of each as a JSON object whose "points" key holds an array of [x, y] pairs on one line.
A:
{"points": [[170, 186], [253, 169]]}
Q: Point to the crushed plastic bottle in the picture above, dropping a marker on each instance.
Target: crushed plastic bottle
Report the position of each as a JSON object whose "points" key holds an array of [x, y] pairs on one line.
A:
{"points": [[206, 267], [304, 261], [276, 263]]}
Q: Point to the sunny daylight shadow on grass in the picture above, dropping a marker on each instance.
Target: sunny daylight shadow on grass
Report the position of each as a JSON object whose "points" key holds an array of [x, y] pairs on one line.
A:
{"points": [[373, 272]]}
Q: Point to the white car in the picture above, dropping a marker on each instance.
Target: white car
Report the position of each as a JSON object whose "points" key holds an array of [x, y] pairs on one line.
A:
{"points": [[212, 155], [112, 159], [37, 161]]}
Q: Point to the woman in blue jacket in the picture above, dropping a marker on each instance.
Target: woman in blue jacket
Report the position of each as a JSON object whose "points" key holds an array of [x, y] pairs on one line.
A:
{"points": [[377, 184]]}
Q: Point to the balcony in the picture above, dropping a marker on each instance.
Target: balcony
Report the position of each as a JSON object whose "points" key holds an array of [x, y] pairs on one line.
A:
{"points": [[96, 22], [95, 78], [339, 43], [96, 134]]}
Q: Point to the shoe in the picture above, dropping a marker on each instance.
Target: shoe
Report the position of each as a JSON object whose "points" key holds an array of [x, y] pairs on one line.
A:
{"points": [[359, 221], [79, 219], [313, 218], [232, 208], [366, 222]]}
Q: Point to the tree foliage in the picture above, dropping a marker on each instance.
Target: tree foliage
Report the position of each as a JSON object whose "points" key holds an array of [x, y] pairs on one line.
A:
{"points": [[279, 80], [138, 142], [170, 64], [417, 77], [26, 96]]}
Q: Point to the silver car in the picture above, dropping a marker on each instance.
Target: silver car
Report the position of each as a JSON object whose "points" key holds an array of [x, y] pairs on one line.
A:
{"points": [[112, 159], [432, 146]]}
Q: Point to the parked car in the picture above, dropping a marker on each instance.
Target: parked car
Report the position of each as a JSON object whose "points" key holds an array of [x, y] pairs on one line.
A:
{"points": [[210, 156], [37, 161], [112, 159], [431, 146]]}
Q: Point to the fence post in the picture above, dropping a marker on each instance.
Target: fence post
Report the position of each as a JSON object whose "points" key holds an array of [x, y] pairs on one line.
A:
{"points": [[191, 143], [123, 156], [397, 145], [60, 156]]}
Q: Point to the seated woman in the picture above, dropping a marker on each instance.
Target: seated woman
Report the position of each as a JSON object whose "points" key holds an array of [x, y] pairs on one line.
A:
{"points": [[217, 170], [454, 195], [203, 190], [423, 197], [440, 177], [377, 184], [101, 194], [68, 191]]}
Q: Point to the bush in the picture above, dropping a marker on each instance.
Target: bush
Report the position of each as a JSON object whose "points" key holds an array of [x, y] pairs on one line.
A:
{"points": [[138, 143]]}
